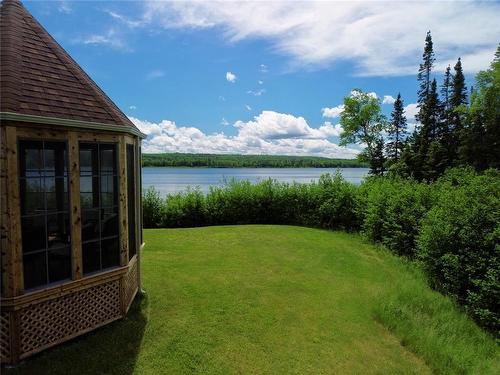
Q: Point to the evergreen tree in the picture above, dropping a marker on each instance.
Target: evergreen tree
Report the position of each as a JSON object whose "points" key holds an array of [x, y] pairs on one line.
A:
{"points": [[446, 88], [424, 74], [396, 131], [377, 160], [458, 99]]}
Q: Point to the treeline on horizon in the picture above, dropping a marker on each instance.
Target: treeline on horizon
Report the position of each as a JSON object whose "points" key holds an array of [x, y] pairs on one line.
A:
{"points": [[246, 161]]}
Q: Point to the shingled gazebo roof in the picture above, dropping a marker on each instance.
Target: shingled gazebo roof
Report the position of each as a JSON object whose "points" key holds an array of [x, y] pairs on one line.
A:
{"points": [[38, 78]]}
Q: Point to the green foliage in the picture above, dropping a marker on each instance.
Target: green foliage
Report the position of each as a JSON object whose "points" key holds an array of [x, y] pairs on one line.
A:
{"points": [[459, 243], [329, 203], [363, 122], [245, 161], [152, 208], [392, 210]]}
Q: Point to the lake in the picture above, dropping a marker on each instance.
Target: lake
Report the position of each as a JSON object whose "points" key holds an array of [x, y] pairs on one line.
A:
{"points": [[174, 180]]}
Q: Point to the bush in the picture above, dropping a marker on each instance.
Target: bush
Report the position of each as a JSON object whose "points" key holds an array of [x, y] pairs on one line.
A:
{"points": [[459, 243], [152, 208], [392, 210]]}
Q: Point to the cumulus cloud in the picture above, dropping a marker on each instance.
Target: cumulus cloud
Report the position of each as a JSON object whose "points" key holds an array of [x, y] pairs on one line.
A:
{"points": [[332, 112], [231, 77], [378, 40], [268, 133], [388, 99]]}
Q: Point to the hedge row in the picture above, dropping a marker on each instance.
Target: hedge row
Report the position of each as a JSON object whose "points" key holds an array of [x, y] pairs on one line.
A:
{"points": [[451, 226]]}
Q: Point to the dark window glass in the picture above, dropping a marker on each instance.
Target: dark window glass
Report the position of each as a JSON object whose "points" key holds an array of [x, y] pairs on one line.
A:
{"points": [[59, 264], [99, 201], [131, 181], [34, 233], [91, 254], [35, 269], [43, 182], [110, 252]]}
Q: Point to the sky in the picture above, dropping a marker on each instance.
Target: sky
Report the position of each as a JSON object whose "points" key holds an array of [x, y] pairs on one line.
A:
{"points": [[262, 77]]}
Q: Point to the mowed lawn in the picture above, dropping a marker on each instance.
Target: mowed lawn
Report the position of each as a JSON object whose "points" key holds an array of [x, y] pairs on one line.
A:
{"points": [[275, 300]]}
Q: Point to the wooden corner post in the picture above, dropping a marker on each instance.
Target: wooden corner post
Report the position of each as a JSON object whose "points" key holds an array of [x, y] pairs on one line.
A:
{"points": [[76, 217]]}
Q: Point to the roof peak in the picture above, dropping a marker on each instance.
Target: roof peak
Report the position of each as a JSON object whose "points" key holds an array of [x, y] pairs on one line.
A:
{"points": [[40, 78]]}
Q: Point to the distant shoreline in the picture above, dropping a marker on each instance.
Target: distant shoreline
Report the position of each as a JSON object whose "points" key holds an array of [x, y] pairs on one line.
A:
{"points": [[178, 160]]}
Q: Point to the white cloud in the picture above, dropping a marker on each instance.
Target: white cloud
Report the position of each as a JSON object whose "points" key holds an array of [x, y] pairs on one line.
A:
{"points": [[231, 77], [224, 122], [64, 7], [268, 133], [111, 38], [248, 107], [388, 99], [132, 107], [378, 40], [411, 111], [258, 92], [157, 73], [332, 112], [260, 82], [263, 68]]}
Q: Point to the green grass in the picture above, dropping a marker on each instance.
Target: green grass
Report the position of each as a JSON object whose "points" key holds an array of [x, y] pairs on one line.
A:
{"points": [[276, 300]]}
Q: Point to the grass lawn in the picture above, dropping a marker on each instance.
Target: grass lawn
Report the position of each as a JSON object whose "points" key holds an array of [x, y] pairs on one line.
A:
{"points": [[276, 300]]}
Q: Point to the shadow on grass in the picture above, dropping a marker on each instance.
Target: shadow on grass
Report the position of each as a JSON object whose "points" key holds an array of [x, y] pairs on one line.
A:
{"points": [[112, 349]]}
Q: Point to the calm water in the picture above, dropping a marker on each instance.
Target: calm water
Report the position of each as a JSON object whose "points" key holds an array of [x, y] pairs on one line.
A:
{"points": [[174, 180]]}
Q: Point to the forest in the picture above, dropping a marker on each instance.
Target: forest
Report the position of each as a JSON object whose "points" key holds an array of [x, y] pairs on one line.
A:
{"points": [[246, 161]]}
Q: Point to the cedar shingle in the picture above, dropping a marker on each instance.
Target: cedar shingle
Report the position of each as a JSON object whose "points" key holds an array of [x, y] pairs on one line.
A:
{"points": [[38, 77]]}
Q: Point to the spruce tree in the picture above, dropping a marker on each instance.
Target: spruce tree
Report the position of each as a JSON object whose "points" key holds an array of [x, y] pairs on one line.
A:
{"points": [[377, 161], [396, 131], [424, 74], [457, 100]]}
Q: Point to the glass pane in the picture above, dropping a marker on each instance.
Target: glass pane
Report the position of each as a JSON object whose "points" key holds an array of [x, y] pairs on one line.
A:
{"points": [[31, 158], [32, 199], [88, 159], [91, 257], [56, 193], [33, 233], [110, 253], [108, 162], [90, 225], [110, 222], [59, 264], [108, 191], [55, 163], [58, 232], [35, 270], [89, 192]]}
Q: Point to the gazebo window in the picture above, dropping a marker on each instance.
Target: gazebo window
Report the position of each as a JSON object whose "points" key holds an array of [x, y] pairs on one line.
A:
{"points": [[99, 205], [44, 212]]}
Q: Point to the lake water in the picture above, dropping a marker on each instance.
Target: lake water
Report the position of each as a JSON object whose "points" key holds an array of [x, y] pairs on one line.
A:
{"points": [[173, 180]]}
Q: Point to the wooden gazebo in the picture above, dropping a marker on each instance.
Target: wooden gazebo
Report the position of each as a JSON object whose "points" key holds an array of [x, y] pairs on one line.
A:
{"points": [[70, 205]]}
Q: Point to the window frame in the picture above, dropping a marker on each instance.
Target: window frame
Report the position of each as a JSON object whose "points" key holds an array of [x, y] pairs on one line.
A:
{"points": [[46, 212]]}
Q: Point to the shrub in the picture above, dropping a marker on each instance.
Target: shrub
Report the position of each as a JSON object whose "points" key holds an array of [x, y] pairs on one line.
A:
{"points": [[392, 211], [152, 208], [459, 243]]}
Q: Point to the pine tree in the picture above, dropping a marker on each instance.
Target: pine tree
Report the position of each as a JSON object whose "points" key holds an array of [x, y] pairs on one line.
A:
{"points": [[377, 161], [446, 88], [457, 100], [424, 74], [396, 132]]}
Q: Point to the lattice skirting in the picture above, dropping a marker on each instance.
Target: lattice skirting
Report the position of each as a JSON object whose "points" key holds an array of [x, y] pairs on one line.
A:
{"points": [[35, 326]]}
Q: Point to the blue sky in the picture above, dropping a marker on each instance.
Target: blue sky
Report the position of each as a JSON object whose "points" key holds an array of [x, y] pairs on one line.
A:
{"points": [[256, 77]]}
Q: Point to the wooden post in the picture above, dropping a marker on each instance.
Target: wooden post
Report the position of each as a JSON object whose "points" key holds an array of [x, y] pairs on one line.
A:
{"points": [[138, 208], [14, 281], [122, 177], [76, 218]]}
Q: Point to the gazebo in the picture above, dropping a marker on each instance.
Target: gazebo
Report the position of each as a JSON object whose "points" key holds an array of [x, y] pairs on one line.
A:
{"points": [[70, 186]]}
